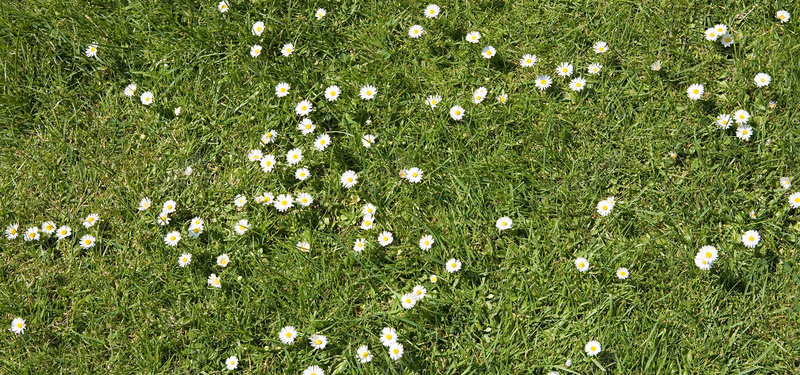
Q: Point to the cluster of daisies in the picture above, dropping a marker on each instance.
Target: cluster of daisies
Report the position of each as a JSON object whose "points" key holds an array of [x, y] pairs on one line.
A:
{"points": [[719, 32], [740, 117], [49, 228]]}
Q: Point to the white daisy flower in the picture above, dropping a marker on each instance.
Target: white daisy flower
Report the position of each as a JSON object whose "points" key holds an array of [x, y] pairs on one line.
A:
{"points": [[223, 6], [711, 34], [294, 156], [87, 241], [12, 231], [223, 260], [287, 49], [504, 223], [313, 370], [543, 82], [594, 69], [600, 47], [408, 301], [527, 60], [232, 363], [318, 341], [130, 90], [185, 259], [414, 175], [214, 281], [695, 91], [502, 98], [320, 13], [254, 155], [582, 264], [240, 200], [368, 92], [622, 273], [433, 279], [195, 230], [727, 40], [306, 126], [416, 31], [145, 203], [177, 112], [348, 179], [284, 202], [564, 69], [303, 246], [433, 100], [91, 50], [385, 238], [655, 66], [786, 182], [48, 227], [288, 334], [32, 234], [702, 262], [488, 52], [419, 292], [456, 112], [304, 199], [367, 140], [783, 16], [363, 354], [172, 238], [368, 222], [453, 265], [426, 242], [269, 137], [303, 108], [90, 220], [267, 199], [255, 50], [368, 209], [741, 116], [267, 163], [592, 348], [762, 79], [604, 207], [163, 218], [672, 155], [794, 200], [241, 226], [302, 174], [322, 142], [724, 121], [257, 28], [146, 98], [359, 245], [282, 89], [18, 326], [332, 93], [473, 37], [432, 11], [709, 252], [403, 173], [388, 336], [479, 95], [396, 351], [577, 84], [63, 232], [744, 132]]}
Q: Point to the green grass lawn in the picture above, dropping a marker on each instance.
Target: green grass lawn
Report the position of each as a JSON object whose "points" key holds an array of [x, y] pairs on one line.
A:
{"points": [[72, 144]]}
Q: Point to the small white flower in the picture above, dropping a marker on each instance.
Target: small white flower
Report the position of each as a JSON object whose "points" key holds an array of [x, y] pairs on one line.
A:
{"points": [[303, 108], [622, 273], [147, 98], [255, 50], [577, 84], [473, 37], [318, 341], [504, 223], [130, 90], [655, 66], [363, 354], [163, 218], [721, 28], [709, 252], [456, 112], [741, 116], [592, 348], [762, 79], [794, 200], [303, 246], [267, 163], [320, 13], [322, 142], [368, 209], [385, 238], [564, 69], [332, 93], [432, 11], [488, 52], [695, 91], [594, 69], [582, 264], [785, 182], [783, 16], [48, 227], [367, 140], [419, 292], [287, 49], [359, 245], [368, 92], [702, 262], [416, 31], [349, 179], [255, 155], [232, 363], [288, 334], [433, 279], [284, 202], [302, 174], [433, 100], [712, 34], [388, 336], [87, 241], [304, 199], [223, 260], [313, 370], [269, 137], [63, 232], [527, 61], [240, 200], [214, 281], [426, 242], [223, 6], [185, 259], [479, 95], [282, 89], [396, 351], [744, 132], [727, 40], [32, 234], [724, 121], [257, 28], [294, 156], [502, 98], [543, 82], [177, 111], [453, 265], [18, 326], [368, 222], [408, 301], [241, 226], [414, 175], [91, 220], [172, 238], [91, 50], [604, 207], [600, 47]]}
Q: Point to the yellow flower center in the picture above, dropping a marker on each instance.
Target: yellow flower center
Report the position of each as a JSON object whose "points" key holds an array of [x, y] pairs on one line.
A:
{"points": [[708, 254], [303, 108], [367, 223], [414, 174], [458, 112], [395, 350], [408, 300], [349, 179], [433, 102], [318, 342], [564, 70], [49, 227], [294, 156], [172, 238], [712, 34], [796, 200], [581, 264], [33, 234], [288, 50], [478, 97], [388, 336], [752, 238], [386, 238], [433, 11], [19, 325], [428, 242], [224, 262], [12, 231], [63, 232], [88, 242], [744, 132], [600, 49], [453, 265], [577, 84], [91, 219], [184, 260], [258, 28], [308, 126], [365, 354], [528, 61], [283, 89], [333, 93], [288, 334], [322, 141], [593, 348], [762, 79], [727, 40], [488, 53], [369, 92], [696, 91], [416, 31], [474, 37], [782, 16], [216, 281], [284, 202], [605, 207], [544, 82], [622, 273]]}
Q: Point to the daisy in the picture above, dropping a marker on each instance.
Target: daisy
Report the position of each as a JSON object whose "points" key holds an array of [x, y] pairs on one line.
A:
{"points": [[577, 84], [426, 242], [91, 50], [414, 175], [527, 60], [724, 121], [258, 28], [433, 100], [172, 238], [695, 91], [368, 209], [543, 82], [255, 50], [294, 156], [604, 208], [367, 140], [762, 79], [368, 222], [504, 223], [672, 155], [332, 93], [48, 227], [269, 137], [304, 199], [772, 104], [744, 132], [396, 350], [479, 95], [408, 301], [368, 92], [254, 155], [358, 246], [146, 98], [232, 363], [419, 292], [303, 246], [240, 200], [348, 179], [727, 40], [130, 90], [163, 218], [268, 163], [145, 203], [223, 260], [223, 6], [282, 89], [702, 262], [721, 28], [709, 252], [433, 279], [177, 112], [403, 173], [214, 281], [284, 202], [592, 348], [502, 98], [287, 334], [783, 16], [322, 142], [385, 238], [741, 116], [582, 264], [320, 13], [785, 182], [488, 52], [453, 265], [63, 232], [287, 49], [318, 341], [241, 226], [90, 220], [432, 11], [302, 174], [456, 112], [711, 34], [268, 198], [622, 273], [31, 234], [594, 68], [18, 326], [363, 354], [388, 336], [416, 31], [303, 108], [473, 37], [600, 47], [169, 206], [794, 200], [655, 66], [564, 70], [185, 259], [87, 241], [313, 370]]}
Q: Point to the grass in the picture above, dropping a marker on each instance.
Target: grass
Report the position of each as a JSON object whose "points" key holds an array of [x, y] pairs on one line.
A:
{"points": [[71, 144]]}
